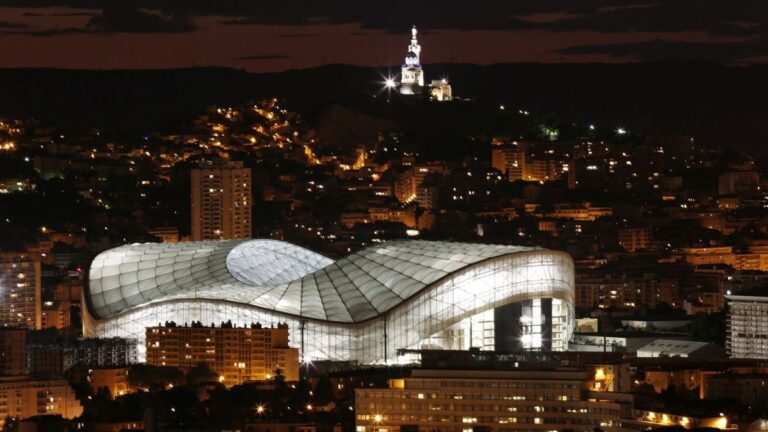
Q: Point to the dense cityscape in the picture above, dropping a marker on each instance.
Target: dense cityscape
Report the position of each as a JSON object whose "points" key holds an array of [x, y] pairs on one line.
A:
{"points": [[417, 259]]}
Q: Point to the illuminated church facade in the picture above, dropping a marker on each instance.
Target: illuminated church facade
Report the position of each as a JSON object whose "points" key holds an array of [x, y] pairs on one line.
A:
{"points": [[412, 75]]}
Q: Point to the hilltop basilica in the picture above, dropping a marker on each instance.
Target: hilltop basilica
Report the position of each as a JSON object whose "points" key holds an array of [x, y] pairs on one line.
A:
{"points": [[412, 75]]}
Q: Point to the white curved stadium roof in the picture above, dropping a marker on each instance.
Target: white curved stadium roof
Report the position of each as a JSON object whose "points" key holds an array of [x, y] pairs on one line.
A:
{"points": [[278, 276]]}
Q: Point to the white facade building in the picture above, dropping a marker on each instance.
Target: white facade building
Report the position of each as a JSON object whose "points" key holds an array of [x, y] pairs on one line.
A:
{"points": [[363, 307], [678, 348], [747, 326], [440, 90]]}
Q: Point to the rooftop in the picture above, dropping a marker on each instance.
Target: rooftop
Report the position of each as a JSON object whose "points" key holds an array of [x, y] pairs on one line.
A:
{"points": [[280, 276]]}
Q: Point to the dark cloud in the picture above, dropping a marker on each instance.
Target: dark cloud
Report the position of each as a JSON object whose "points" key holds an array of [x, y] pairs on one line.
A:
{"points": [[389, 16], [126, 16], [47, 33], [296, 35], [712, 16], [264, 57], [727, 52], [588, 15], [10, 28], [116, 16], [74, 14], [68, 14], [729, 30], [741, 29], [11, 25]]}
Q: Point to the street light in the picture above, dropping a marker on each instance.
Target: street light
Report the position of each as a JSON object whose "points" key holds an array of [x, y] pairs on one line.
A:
{"points": [[377, 420], [389, 84], [306, 361]]}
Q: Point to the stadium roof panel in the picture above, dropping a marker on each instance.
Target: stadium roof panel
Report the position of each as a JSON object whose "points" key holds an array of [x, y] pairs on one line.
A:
{"points": [[278, 276]]}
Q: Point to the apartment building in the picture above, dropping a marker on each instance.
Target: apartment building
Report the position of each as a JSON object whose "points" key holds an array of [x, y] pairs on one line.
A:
{"points": [[221, 201], [237, 354], [492, 400]]}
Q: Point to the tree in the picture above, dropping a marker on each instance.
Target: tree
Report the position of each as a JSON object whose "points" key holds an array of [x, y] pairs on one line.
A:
{"points": [[324, 390], [101, 404], [200, 374], [10, 424], [645, 389], [709, 327], [299, 397], [280, 395], [154, 377]]}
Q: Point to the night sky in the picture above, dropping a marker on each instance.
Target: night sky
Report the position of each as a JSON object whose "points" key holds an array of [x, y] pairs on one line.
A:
{"points": [[276, 35]]}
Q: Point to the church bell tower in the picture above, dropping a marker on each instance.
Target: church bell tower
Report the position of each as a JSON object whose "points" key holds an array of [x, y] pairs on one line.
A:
{"points": [[412, 76]]}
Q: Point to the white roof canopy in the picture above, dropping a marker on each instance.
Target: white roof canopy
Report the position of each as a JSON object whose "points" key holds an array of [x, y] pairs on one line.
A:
{"points": [[277, 276]]}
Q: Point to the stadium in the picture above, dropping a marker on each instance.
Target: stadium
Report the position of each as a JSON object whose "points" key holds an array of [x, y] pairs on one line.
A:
{"points": [[364, 307]]}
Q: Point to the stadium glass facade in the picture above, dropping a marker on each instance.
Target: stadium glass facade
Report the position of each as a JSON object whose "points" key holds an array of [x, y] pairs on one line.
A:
{"points": [[363, 307]]}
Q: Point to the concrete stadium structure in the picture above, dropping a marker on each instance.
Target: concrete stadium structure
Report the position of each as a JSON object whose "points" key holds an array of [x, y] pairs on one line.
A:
{"points": [[364, 307]]}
